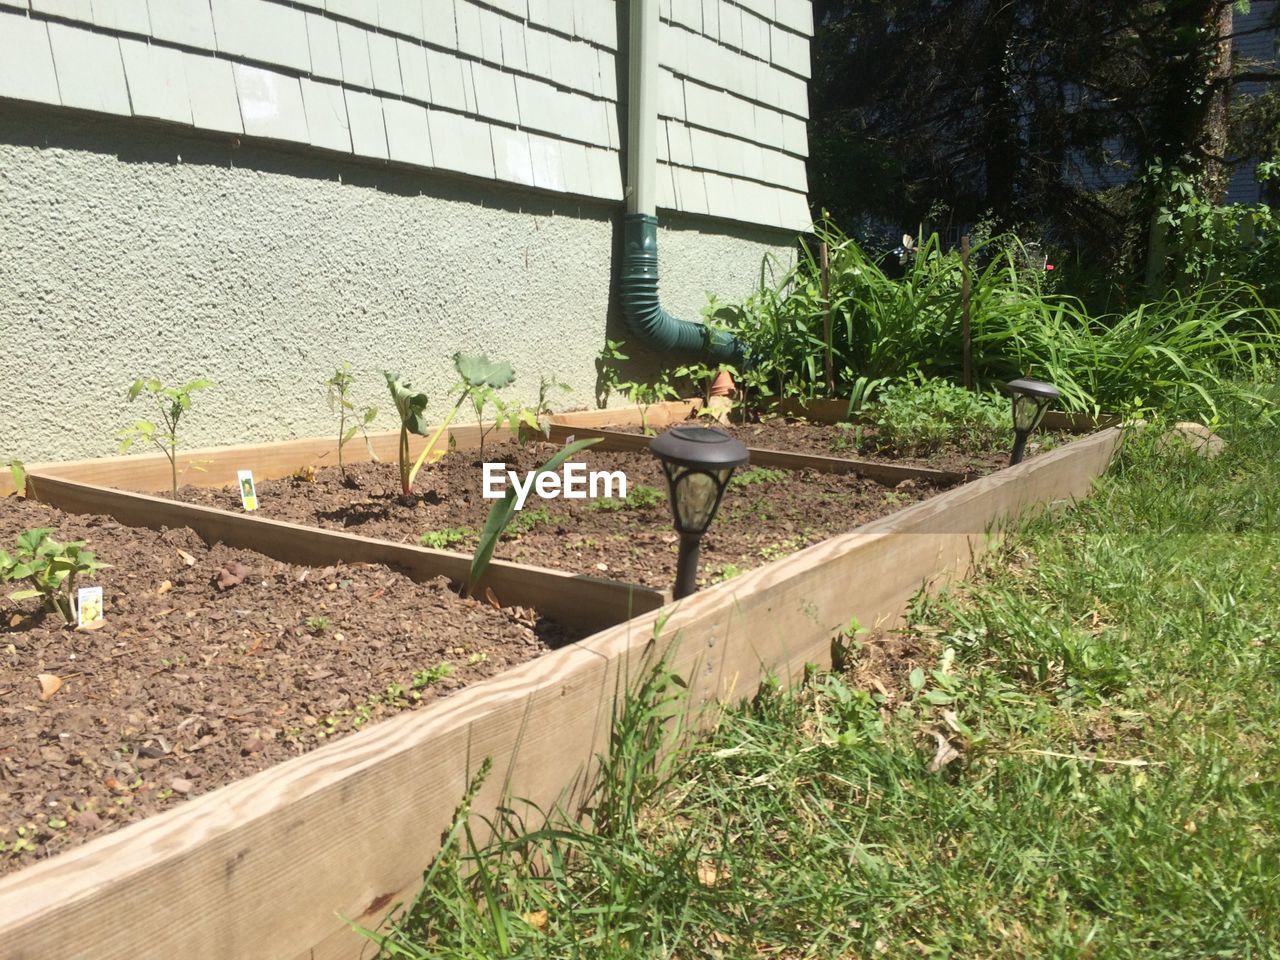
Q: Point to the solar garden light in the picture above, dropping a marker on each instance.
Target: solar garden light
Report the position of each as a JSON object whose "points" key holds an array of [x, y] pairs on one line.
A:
{"points": [[698, 462], [1031, 398]]}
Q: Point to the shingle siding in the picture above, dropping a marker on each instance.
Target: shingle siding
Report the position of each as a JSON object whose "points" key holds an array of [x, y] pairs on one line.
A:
{"points": [[524, 91]]}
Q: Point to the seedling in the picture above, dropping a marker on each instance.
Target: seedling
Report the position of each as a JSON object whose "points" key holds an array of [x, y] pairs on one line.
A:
{"points": [[478, 374], [643, 395], [18, 471], [432, 675], [758, 475], [443, 539], [50, 567], [480, 378], [501, 512], [172, 402], [639, 498], [340, 401], [317, 624]]}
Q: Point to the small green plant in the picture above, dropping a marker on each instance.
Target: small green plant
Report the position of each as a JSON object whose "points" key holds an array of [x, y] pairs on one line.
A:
{"points": [[526, 520], [339, 385], [640, 497], [643, 394], [50, 568], [443, 539], [920, 416], [317, 624], [726, 571], [432, 675], [756, 475], [172, 403], [18, 471], [477, 375], [501, 513], [480, 379], [477, 658]]}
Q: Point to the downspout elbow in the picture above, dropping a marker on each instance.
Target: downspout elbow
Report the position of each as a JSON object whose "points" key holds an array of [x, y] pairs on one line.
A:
{"points": [[643, 313]]}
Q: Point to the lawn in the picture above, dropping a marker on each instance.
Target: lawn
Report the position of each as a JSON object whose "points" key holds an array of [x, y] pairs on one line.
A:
{"points": [[1072, 755]]}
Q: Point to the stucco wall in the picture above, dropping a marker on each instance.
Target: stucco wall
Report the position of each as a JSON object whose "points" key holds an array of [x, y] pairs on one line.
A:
{"points": [[129, 251]]}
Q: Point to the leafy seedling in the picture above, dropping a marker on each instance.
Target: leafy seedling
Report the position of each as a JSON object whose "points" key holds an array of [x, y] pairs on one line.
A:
{"points": [[502, 511], [443, 539], [340, 402], [172, 403], [432, 675], [18, 471], [50, 568]]}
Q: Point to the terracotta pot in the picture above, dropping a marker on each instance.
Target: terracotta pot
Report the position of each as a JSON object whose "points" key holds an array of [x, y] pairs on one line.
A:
{"points": [[723, 385]]}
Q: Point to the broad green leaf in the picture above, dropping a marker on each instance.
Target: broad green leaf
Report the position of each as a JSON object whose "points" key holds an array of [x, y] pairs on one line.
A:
{"points": [[501, 512], [19, 473], [480, 371], [411, 407], [31, 540], [24, 594]]}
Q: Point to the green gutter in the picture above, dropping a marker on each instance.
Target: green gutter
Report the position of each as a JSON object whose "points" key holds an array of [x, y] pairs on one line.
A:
{"points": [[644, 315]]}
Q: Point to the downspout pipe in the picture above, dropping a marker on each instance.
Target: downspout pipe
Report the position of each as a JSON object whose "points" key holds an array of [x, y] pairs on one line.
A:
{"points": [[644, 315]]}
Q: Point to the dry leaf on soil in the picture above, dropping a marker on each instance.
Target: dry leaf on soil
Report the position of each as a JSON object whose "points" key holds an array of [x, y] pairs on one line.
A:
{"points": [[231, 574], [537, 919], [49, 685], [187, 558], [944, 755], [165, 587]]}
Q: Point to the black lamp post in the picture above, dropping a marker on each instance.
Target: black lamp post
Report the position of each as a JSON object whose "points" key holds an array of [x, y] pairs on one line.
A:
{"points": [[698, 462], [1031, 398]]}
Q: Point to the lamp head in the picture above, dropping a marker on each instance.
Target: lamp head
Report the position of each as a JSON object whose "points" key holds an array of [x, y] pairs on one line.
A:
{"points": [[698, 462], [1031, 399]]}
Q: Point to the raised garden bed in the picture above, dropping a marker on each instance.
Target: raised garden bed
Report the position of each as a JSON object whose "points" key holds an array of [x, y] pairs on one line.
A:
{"points": [[343, 831], [189, 685]]}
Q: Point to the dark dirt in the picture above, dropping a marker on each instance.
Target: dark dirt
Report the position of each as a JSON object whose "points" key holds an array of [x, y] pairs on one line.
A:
{"points": [[765, 514], [187, 687]]}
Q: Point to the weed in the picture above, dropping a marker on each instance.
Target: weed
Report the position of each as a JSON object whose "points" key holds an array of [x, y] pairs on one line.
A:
{"points": [[443, 539], [432, 675], [640, 497], [757, 475], [726, 571], [317, 624], [917, 417], [477, 658]]}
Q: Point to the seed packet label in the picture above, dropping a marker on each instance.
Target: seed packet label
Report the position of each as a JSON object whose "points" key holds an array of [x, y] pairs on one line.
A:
{"points": [[88, 606], [248, 493]]}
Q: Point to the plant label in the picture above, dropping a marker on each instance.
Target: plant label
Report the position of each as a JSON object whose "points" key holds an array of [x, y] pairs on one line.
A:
{"points": [[88, 606], [248, 493], [573, 482]]}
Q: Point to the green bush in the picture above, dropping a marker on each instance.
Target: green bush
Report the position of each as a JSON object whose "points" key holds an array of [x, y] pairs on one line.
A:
{"points": [[918, 417]]}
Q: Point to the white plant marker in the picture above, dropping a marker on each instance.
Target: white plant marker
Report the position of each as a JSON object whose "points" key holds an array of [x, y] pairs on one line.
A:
{"points": [[88, 606], [248, 492]]}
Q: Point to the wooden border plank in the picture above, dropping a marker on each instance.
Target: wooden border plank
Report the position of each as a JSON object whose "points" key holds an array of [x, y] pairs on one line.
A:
{"points": [[572, 599], [879, 471], [261, 868]]}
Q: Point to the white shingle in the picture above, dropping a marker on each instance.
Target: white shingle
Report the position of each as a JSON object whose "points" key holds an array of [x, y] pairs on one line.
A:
{"points": [[789, 51], [539, 104], [408, 137], [558, 16], [271, 104], [537, 49], [755, 36], [187, 22], [548, 169], [401, 16], [670, 95], [26, 62], [90, 72], [491, 36], [129, 16], [438, 25], [513, 56], [211, 85], [368, 132], [511, 158], [793, 211], [413, 70], [687, 13], [516, 8], [362, 11], [322, 41], [495, 94], [706, 149], [71, 9], [467, 17], [795, 136], [673, 48], [460, 143], [385, 63], [262, 31], [795, 14], [768, 126], [577, 172], [730, 24], [445, 73], [664, 188], [679, 145], [606, 173], [720, 199], [354, 46], [597, 21], [157, 81], [608, 74], [784, 170], [711, 18], [326, 115], [691, 190]]}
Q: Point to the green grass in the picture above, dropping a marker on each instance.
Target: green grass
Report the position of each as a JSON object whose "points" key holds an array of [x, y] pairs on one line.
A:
{"points": [[640, 497], [1109, 682], [748, 478], [443, 539]]}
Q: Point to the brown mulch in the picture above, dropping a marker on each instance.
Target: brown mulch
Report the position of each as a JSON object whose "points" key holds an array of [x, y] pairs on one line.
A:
{"points": [[187, 687], [780, 513]]}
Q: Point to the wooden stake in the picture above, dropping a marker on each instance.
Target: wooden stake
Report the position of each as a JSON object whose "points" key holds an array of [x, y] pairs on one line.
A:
{"points": [[825, 263]]}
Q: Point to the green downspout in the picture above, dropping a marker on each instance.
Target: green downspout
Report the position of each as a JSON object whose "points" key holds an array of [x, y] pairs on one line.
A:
{"points": [[638, 278]]}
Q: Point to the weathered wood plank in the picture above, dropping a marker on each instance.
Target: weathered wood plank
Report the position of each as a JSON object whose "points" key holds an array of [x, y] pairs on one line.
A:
{"points": [[879, 471], [575, 600], [262, 867]]}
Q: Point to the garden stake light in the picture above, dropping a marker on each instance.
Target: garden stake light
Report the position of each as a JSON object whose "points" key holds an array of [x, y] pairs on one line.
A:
{"points": [[1031, 398], [698, 462]]}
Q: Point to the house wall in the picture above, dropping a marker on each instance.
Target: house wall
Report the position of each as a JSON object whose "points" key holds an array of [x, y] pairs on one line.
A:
{"points": [[253, 191]]}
